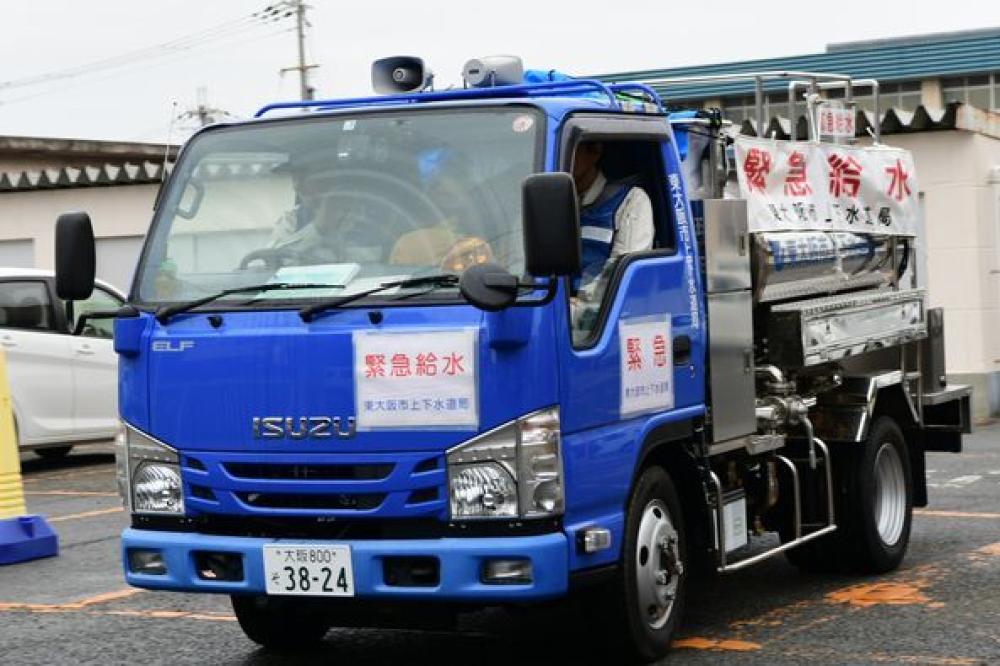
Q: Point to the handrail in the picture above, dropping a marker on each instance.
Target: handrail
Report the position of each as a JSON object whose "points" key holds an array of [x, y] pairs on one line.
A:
{"points": [[758, 79], [848, 87], [547, 88], [626, 86]]}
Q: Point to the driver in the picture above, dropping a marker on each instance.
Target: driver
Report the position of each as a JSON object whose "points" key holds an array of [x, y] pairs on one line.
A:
{"points": [[322, 227]]}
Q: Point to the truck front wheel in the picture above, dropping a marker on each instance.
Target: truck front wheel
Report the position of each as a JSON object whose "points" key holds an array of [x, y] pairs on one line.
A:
{"points": [[278, 626], [649, 595]]}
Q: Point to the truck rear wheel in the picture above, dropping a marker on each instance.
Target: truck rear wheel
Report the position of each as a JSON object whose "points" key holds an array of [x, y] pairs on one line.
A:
{"points": [[648, 597], [277, 625], [874, 507], [879, 504]]}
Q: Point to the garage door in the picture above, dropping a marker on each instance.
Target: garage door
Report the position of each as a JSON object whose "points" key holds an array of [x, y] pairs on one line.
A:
{"points": [[116, 259], [17, 253]]}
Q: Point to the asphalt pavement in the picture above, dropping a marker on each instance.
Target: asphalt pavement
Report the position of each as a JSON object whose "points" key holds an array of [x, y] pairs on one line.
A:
{"points": [[941, 607]]}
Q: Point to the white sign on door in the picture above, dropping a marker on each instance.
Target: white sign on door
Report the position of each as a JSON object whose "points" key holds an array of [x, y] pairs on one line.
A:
{"points": [[647, 365], [416, 379]]}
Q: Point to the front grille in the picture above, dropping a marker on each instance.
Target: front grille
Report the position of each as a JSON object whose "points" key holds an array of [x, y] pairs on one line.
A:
{"points": [[310, 471], [397, 485], [329, 501]]}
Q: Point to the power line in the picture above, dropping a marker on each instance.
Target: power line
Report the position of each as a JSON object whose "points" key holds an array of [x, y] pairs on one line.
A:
{"points": [[267, 15], [129, 67]]}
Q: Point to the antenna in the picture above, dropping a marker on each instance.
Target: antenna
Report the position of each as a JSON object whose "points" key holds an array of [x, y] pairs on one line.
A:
{"points": [[166, 148]]}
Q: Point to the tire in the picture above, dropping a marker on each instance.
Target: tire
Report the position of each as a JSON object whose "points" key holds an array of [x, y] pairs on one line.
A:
{"points": [[644, 611], [878, 507], [54, 452], [276, 626]]}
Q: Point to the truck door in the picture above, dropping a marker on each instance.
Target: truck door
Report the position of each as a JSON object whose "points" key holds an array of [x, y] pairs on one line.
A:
{"points": [[630, 358]]}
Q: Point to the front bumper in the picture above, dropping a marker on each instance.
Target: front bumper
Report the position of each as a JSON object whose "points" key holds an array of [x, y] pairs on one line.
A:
{"points": [[460, 560]]}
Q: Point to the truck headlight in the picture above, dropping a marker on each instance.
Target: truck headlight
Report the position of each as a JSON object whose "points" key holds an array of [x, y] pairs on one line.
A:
{"points": [[121, 464], [514, 471], [156, 488], [152, 473]]}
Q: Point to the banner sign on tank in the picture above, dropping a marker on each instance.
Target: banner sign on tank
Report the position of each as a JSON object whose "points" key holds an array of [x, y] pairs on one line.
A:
{"points": [[795, 185]]}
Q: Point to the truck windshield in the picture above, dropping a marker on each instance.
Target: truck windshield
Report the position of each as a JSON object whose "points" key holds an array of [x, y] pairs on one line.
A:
{"points": [[345, 201]]}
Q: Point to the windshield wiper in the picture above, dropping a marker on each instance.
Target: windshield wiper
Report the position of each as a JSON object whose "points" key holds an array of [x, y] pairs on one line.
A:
{"points": [[442, 280], [165, 312]]}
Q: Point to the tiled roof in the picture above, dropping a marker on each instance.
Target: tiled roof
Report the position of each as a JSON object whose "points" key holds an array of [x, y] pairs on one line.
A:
{"points": [[925, 56], [87, 149], [895, 121], [85, 176]]}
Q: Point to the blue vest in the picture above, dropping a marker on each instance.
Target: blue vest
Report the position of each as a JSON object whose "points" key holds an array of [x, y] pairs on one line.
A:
{"points": [[597, 227]]}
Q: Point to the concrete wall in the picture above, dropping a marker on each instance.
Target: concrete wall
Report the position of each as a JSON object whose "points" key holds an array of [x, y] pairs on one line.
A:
{"points": [[962, 216], [117, 212]]}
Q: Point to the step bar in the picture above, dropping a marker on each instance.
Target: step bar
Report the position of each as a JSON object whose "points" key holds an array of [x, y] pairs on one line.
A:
{"points": [[724, 566]]}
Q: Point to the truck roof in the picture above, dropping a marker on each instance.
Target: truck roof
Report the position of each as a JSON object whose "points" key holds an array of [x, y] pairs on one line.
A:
{"points": [[556, 96]]}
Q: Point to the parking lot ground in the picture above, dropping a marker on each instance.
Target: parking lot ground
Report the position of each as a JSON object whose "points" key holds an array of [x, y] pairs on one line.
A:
{"points": [[941, 607]]}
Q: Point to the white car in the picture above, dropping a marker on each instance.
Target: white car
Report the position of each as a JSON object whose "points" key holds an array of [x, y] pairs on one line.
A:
{"points": [[64, 388]]}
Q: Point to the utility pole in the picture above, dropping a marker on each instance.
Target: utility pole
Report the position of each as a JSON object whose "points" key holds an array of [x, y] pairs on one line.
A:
{"points": [[301, 23], [202, 112]]}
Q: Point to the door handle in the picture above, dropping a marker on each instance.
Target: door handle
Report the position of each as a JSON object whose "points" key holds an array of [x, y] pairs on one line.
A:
{"points": [[84, 350], [7, 341], [682, 350]]}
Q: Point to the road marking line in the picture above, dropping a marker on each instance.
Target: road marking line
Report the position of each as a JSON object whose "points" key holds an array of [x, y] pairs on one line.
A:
{"points": [[956, 514], [989, 549], [107, 597], [874, 594], [37, 478], [85, 514], [84, 608], [71, 493], [965, 480], [173, 615], [103, 598], [725, 644], [879, 657]]}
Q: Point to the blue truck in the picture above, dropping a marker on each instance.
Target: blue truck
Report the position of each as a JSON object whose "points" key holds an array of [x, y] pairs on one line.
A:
{"points": [[365, 377]]}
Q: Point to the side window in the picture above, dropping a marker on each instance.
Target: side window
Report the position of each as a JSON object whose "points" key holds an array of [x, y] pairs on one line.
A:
{"points": [[622, 211], [99, 301], [25, 306]]}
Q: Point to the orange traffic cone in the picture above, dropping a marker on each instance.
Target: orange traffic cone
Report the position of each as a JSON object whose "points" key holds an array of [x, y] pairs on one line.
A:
{"points": [[22, 537]]}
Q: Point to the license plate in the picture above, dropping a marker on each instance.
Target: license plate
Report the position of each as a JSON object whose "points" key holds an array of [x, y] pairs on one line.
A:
{"points": [[309, 570]]}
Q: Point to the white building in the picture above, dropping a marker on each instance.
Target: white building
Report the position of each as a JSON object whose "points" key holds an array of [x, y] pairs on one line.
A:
{"points": [[113, 181]]}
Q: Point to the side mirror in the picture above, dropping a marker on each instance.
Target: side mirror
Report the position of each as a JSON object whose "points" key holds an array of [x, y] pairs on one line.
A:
{"points": [[551, 225], [76, 260], [489, 287]]}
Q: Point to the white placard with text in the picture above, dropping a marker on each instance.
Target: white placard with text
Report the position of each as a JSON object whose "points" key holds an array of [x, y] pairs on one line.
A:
{"points": [[647, 379], [416, 379]]}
